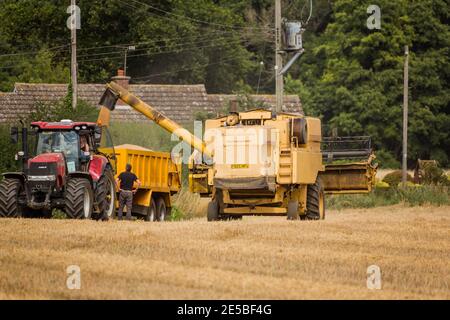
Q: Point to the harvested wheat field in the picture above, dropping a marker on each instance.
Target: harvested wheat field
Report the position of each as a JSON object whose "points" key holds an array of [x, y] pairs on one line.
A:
{"points": [[256, 258]]}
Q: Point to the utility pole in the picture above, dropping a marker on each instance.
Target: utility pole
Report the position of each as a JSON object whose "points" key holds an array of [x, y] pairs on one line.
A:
{"points": [[405, 117], [129, 48], [279, 83], [125, 62], [73, 33]]}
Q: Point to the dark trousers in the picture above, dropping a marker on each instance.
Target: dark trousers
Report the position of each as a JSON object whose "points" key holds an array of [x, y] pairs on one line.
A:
{"points": [[125, 198]]}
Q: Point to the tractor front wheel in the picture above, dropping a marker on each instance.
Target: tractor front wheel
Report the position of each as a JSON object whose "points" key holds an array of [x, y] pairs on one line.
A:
{"points": [[79, 199], [10, 190]]}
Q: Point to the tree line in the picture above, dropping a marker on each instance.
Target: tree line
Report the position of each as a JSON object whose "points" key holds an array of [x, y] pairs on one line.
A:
{"points": [[350, 76]]}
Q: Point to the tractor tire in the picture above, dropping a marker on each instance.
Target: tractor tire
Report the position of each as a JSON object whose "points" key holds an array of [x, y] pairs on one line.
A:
{"points": [[10, 190], [105, 196], [292, 210], [213, 210], [161, 210], [315, 201], [79, 199], [151, 211]]}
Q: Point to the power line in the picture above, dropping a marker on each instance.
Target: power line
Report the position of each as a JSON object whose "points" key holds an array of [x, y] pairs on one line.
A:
{"points": [[219, 32], [310, 11], [163, 52], [199, 21], [154, 53], [29, 53], [224, 33], [261, 68], [185, 69], [161, 47], [147, 42], [178, 47], [119, 45]]}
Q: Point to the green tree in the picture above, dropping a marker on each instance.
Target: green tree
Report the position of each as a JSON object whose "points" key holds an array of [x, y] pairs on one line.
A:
{"points": [[187, 41], [353, 76]]}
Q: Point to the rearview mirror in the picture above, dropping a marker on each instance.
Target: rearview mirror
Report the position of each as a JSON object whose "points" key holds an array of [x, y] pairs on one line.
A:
{"points": [[109, 99], [98, 136], [14, 133]]}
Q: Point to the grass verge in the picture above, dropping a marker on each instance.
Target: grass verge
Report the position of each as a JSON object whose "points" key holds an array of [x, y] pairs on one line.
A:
{"points": [[410, 196]]}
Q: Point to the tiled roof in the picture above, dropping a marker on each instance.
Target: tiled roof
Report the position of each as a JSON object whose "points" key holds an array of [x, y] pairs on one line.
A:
{"points": [[179, 102]]}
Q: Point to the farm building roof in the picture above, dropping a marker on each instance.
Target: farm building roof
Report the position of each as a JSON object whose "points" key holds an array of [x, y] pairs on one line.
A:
{"points": [[179, 102]]}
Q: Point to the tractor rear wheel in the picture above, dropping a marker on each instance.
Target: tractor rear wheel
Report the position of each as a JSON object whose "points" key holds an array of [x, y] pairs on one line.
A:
{"points": [[161, 209], [79, 199], [315, 202], [213, 210], [151, 211], [10, 190], [105, 196]]}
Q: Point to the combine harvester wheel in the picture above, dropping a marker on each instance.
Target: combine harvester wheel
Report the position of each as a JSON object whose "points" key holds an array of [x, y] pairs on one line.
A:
{"points": [[315, 201]]}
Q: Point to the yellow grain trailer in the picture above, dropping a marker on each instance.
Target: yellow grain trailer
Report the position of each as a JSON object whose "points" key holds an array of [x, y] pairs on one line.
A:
{"points": [[160, 178]]}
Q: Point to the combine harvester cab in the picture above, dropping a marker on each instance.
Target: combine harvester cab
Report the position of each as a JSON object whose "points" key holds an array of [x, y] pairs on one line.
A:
{"points": [[350, 166]]}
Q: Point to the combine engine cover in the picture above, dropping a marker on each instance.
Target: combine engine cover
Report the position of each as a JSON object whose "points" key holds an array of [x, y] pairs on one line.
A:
{"points": [[245, 157]]}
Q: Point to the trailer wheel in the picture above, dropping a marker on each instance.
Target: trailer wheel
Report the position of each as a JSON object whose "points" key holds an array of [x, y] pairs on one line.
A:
{"points": [[292, 210], [315, 202], [213, 210], [161, 209], [79, 199], [10, 190], [151, 211], [105, 196]]}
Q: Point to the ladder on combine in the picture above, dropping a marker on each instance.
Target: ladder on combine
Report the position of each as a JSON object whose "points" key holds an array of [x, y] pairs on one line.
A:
{"points": [[349, 165], [285, 171]]}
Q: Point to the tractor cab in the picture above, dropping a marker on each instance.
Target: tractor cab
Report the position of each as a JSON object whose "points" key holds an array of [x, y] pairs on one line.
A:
{"points": [[68, 171], [74, 140]]}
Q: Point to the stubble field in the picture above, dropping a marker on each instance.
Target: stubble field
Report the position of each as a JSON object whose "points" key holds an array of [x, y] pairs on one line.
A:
{"points": [[256, 258]]}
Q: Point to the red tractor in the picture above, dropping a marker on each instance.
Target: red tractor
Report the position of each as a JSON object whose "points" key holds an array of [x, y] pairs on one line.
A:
{"points": [[69, 172]]}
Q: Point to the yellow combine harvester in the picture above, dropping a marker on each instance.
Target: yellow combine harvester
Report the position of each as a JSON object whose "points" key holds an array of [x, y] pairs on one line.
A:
{"points": [[258, 162]]}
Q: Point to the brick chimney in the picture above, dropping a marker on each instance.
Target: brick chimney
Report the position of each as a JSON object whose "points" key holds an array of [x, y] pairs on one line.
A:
{"points": [[121, 79]]}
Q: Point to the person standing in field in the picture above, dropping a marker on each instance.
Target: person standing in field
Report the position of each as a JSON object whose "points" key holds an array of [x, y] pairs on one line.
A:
{"points": [[125, 182]]}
